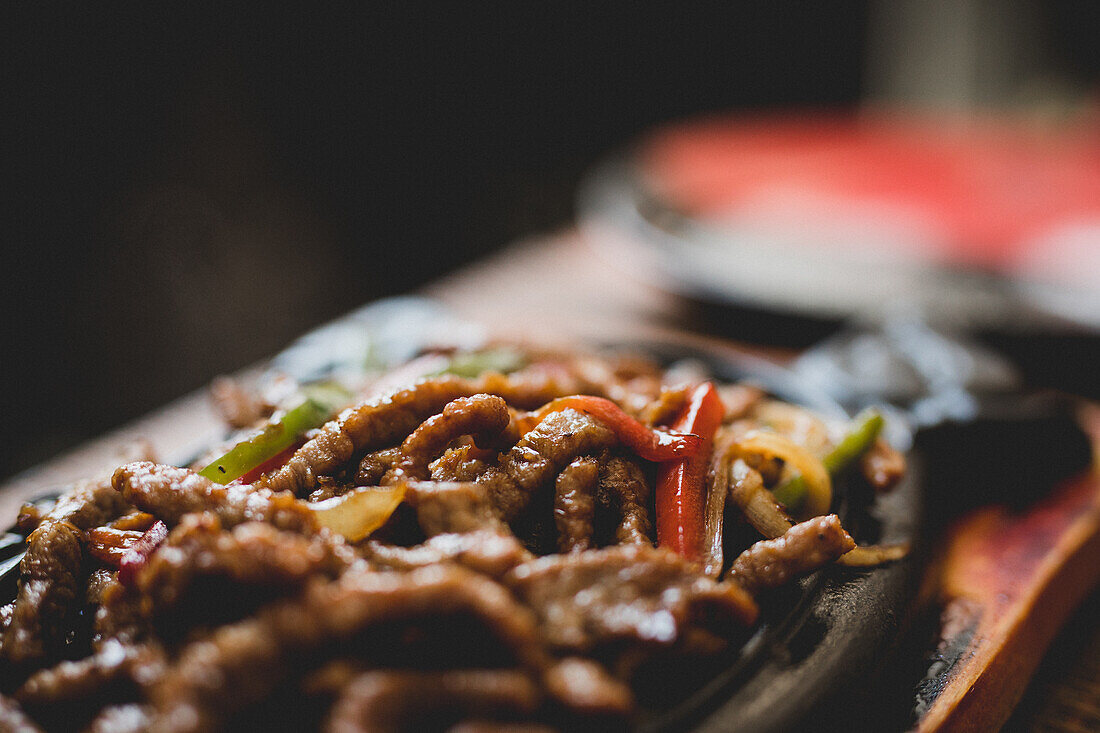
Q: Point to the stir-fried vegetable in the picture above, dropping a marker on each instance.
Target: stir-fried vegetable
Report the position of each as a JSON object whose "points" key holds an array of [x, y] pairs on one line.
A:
{"points": [[650, 443], [681, 496], [138, 554], [757, 503], [792, 493], [282, 430], [817, 494], [359, 512], [475, 363]]}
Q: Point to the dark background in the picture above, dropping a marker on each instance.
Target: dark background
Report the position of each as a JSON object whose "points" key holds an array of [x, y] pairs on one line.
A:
{"points": [[185, 189]]}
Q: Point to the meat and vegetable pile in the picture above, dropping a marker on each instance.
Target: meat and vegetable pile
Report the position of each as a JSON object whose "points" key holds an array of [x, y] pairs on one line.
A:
{"points": [[487, 541]]}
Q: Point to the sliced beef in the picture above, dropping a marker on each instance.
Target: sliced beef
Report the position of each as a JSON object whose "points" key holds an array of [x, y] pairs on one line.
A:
{"points": [[169, 493], [540, 456], [801, 549], [13, 719], [635, 592], [624, 488], [250, 554], [444, 507], [487, 552], [883, 466], [253, 656], [85, 678], [373, 466], [384, 701], [482, 416], [575, 504], [50, 573]]}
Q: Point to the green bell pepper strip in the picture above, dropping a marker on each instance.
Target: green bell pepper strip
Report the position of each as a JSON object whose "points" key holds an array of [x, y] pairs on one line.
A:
{"points": [[792, 493], [319, 402], [475, 363]]}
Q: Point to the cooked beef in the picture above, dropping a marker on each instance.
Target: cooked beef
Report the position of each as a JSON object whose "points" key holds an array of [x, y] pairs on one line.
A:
{"points": [[251, 554], [169, 493], [666, 407], [49, 584], [496, 726], [82, 679], [575, 504], [384, 420], [238, 406], [586, 688], [254, 613], [623, 487], [883, 466], [461, 463], [252, 656], [374, 466], [377, 423], [119, 614], [451, 506], [132, 718], [51, 575], [482, 416], [628, 592], [802, 549], [487, 552], [402, 701], [13, 719], [541, 455]]}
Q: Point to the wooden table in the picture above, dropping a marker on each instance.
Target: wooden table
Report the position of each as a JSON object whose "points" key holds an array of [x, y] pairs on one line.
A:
{"points": [[556, 288]]}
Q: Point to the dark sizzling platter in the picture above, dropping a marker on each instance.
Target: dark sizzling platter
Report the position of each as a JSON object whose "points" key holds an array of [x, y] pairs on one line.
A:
{"points": [[484, 539]]}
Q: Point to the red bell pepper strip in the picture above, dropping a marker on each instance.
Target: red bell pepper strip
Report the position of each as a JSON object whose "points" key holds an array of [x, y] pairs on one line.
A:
{"points": [[136, 557], [681, 484], [649, 443]]}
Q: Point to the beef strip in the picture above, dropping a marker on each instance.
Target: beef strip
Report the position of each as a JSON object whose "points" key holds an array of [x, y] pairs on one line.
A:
{"points": [[883, 466], [487, 552], [238, 406], [51, 574], [586, 688], [252, 656], [13, 719], [632, 592], [625, 489], [540, 455], [482, 416], [452, 506], [461, 463], [383, 701], [374, 466], [169, 493], [802, 549], [82, 679], [131, 718], [575, 504], [250, 554], [386, 419]]}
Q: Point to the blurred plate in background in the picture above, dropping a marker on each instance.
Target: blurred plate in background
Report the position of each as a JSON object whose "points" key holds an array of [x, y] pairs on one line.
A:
{"points": [[976, 222]]}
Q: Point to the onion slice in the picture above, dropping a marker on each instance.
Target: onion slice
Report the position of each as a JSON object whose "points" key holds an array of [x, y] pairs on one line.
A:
{"points": [[819, 487], [359, 512]]}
